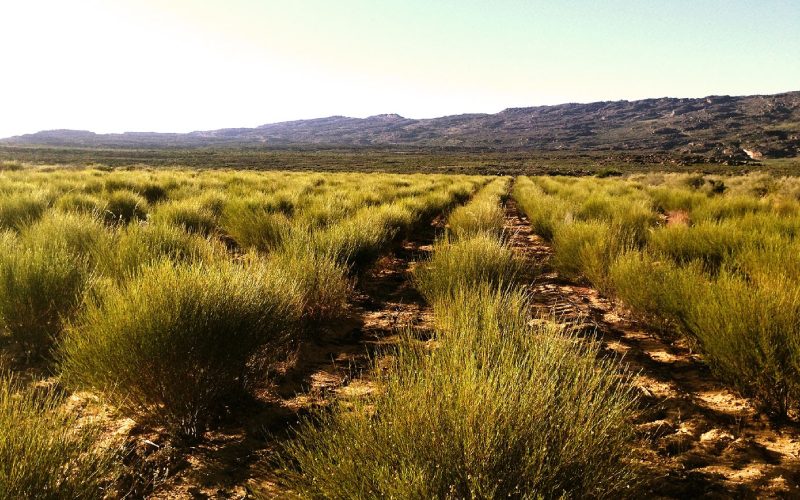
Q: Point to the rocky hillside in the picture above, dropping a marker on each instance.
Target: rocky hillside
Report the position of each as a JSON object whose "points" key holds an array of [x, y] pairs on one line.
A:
{"points": [[750, 127]]}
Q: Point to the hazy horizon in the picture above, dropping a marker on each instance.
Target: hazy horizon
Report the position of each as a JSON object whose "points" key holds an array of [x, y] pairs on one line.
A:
{"points": [[147, 67]]}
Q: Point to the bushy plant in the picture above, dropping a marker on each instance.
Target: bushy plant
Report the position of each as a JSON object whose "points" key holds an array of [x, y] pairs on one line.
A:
{"points": [[499, 409], [726, 207], [174, 343], [19, 209], [40, 286], [482, 215], [125, 206], [669, 199], [140, 245], [578, 245], [82, 234], [709, 242], [80, 202], [467, 263], [658, 291], [544, 212], [153, 192], [46, 452], [359, 238], [477, 218], [320, 282], [748, 334], [189, 214], [255, 227]]}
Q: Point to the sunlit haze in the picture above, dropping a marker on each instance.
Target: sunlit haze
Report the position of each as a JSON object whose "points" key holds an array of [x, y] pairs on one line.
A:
{"points": [[178, 66]]}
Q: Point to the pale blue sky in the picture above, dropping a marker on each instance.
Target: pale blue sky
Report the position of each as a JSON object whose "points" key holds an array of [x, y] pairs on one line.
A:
{"points": [[186, 65]]}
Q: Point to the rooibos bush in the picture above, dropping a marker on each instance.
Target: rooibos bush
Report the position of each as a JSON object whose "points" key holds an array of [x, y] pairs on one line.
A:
{"points": [[482, 215], [174, 343], [499, 409], [18, 209], [125, 206], [40, 286], [82, 234], [467, 263], [140, 245], [254, 226], [657, 291], [320, 282], [190, 215], [45, 452], [80, 202], [748, 334]]}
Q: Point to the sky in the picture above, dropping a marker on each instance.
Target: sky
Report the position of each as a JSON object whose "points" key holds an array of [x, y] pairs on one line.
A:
{"points": [[183, 65]]}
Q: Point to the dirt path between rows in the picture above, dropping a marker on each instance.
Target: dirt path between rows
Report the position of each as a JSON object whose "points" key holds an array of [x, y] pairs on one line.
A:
{"points": [[332, 365], [699, 438]]}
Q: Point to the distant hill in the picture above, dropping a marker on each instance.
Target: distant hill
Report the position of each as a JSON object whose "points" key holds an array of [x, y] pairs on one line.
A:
{"points": [[762, 126]]}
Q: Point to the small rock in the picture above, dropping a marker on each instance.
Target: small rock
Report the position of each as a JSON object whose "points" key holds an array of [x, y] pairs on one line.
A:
{"points": [[716, 435]]}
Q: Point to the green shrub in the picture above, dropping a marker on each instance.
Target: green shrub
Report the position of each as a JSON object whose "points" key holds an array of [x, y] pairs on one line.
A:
{"points": [[84, 235], [597, 207], [668, 199], [465, 264], [81, 202], [153, 192], [125, 206], [499, 409], [659, 292], [760, 259], [544, 212], [361, 237], [213, 201], [608, 172], [189, 215], [631, 218], [709, 242], [173, 344], [140, 245], [255, 227], [745, 330], [472, 219], [572, 243], [40, 286], [319, 281], [46, 452], [19, 209], [482, 215], [726, 207], [120, 182], [748, 334]]}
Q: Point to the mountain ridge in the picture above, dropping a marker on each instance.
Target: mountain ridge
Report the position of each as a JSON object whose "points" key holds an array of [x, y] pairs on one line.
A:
{"points": [[736, 127]]}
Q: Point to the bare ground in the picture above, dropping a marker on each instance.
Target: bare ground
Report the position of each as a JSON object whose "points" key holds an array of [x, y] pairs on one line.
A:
{"points": [[698, 438]]}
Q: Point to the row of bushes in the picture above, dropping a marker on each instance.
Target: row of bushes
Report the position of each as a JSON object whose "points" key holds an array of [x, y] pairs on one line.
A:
{"points": [[715, 266], [233, 204], [493, 406], [47, 267], [177, 342]]}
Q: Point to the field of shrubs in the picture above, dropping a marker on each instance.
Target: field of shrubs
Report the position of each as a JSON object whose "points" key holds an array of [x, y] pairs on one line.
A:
{"points": [[714, 260], [168, 295]]}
